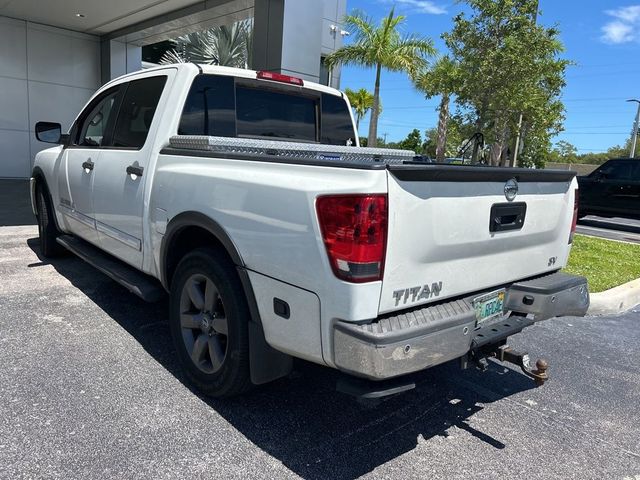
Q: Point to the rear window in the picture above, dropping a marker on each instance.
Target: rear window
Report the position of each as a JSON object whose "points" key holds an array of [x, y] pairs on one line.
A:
{"points": [[265, 113], [217, 106]]}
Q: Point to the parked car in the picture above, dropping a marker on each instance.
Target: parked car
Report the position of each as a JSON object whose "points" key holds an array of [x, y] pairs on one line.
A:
{"points": [[612, 190], [244, 195]]}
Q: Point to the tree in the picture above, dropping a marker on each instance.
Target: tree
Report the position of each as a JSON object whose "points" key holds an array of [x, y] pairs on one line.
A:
{"points": [[508, 65], [441, 80], [361, 101], [458, 132], [566, 151], [381, 47], [223, 45], [413, 141]]}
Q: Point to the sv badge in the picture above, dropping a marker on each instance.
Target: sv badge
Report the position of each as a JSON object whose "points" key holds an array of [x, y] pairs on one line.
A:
{"points": [[416, 294]]}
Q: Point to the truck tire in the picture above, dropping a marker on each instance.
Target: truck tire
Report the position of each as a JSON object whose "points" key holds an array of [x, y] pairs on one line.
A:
{"points": [[47, 230], [208, 322]]}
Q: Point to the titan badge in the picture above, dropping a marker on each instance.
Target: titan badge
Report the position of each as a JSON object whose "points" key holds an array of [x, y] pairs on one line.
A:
{"points": [[416, 294]]}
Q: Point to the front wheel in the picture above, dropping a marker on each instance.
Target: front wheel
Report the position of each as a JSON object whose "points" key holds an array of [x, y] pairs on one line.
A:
{"points": [[47, 231], [208, 321]]}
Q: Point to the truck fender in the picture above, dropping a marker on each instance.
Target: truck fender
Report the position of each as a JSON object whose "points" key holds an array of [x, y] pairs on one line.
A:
{"points": [[40, 177], [266, 363]]}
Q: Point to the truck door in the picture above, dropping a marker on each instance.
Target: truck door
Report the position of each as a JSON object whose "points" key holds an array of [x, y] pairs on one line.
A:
{"points": [[120, 172], [88, 135], [634, 190], [615, 188]]}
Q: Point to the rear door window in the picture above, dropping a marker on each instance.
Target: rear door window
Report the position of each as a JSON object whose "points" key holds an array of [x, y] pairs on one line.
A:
{"points": [[136, 112], [617, 171], [269, 114]]}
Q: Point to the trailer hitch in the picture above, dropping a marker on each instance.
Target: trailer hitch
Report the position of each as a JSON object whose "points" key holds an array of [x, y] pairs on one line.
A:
{"points": [[539, 374]]}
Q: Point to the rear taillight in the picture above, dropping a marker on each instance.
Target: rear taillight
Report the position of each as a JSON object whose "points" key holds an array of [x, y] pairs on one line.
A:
{"points": [[574, 222], [354, 230]]}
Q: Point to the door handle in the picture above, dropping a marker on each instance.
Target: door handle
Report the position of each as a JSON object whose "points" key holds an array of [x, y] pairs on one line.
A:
{"points": [[135, 170], [88, 165]]}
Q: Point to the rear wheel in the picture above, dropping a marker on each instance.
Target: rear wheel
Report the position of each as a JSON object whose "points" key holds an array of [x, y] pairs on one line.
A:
{"points": [[208, 316], [47, 230]]}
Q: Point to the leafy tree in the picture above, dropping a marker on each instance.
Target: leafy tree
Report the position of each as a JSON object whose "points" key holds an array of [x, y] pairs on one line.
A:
{"points": [[566, 151], [441, 79], [381, 143], [508, 65], [617, 151], [381, 46], [458, 133], [413, 141], [223, 45]]}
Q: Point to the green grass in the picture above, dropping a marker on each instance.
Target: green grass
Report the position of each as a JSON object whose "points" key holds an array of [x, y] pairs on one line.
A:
{"points": [[605, 263]]}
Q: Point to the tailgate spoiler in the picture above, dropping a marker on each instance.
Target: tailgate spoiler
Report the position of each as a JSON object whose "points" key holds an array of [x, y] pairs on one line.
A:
{"points": [[475, 173]]}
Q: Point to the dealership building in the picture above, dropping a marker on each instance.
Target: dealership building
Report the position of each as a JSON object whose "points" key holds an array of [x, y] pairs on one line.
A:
{"points": [[55, 54]]}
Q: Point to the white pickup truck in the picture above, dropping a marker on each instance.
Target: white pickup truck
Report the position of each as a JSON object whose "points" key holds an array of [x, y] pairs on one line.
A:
{"points": [[245, 196]]}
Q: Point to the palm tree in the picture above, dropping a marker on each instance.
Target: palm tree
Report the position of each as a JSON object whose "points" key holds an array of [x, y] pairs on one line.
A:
{"points": [[361, 101], [223, 45], [381, 47], [441, 80]]}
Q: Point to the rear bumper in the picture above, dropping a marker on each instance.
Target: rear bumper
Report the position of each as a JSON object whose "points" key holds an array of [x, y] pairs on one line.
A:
{"points": [[394, 345]]}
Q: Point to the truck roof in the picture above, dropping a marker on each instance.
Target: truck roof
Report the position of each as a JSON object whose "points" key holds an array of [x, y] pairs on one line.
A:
{"points": [[231, 71]]}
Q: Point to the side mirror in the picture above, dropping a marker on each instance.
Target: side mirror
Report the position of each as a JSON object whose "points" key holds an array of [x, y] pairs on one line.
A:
{"points": [[50, 132]]}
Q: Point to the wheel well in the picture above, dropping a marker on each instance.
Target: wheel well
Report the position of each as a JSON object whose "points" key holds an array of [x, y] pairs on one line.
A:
{"points": [[186, 240], [39, 178]]}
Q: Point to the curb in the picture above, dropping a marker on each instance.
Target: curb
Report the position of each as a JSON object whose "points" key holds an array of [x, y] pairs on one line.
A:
{"points": [[616, 300]]}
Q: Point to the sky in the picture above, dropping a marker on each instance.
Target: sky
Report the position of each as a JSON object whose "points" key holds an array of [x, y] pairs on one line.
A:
{"points": [[601, 37]]}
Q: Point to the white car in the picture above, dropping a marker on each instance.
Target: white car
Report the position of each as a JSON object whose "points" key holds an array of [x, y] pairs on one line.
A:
{"points": [[246, 197]]}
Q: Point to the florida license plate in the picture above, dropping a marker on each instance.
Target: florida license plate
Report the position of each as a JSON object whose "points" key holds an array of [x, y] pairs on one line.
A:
{"points": [[488, 306]]}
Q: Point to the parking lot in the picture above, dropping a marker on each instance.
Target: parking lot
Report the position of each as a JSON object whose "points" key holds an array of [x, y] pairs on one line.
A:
{"points": [[89, 388], [622, 229]]}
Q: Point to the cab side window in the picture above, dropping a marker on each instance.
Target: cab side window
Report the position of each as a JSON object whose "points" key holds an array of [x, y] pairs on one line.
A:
{"points": [[136, 112], [210, 107], [94, 126], [336, 126], [617, 171]]}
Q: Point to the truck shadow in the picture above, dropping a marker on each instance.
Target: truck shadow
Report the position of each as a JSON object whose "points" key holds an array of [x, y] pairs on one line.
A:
{"points": [[302, 421]]}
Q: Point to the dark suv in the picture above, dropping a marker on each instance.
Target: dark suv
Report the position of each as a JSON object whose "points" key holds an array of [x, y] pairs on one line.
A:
{"points": [[612, 190]]}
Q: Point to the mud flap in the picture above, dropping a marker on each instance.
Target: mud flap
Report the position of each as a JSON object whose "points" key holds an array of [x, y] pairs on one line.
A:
{"points": [[265, 362]]}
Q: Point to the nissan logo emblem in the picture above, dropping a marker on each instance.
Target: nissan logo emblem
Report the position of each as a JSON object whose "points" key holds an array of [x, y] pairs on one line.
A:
{"points": [[511, 189]]}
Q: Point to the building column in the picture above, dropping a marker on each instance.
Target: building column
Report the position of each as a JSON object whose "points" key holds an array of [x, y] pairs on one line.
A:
{"points": [[118, 58], [288, 37]]}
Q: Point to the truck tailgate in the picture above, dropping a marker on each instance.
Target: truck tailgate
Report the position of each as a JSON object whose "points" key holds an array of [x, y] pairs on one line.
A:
{"points": [[441, 242]]}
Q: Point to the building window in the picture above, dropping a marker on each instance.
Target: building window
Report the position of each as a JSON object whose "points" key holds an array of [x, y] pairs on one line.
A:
{"points": [[325, 74]]}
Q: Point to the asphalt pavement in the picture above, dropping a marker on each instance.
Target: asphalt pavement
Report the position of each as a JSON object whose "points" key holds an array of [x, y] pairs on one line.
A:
{"points": [[89, 388], [623, 229]]}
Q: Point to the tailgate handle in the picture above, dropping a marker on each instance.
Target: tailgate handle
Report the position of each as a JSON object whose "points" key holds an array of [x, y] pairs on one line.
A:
{"points": [[507, 216]]}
